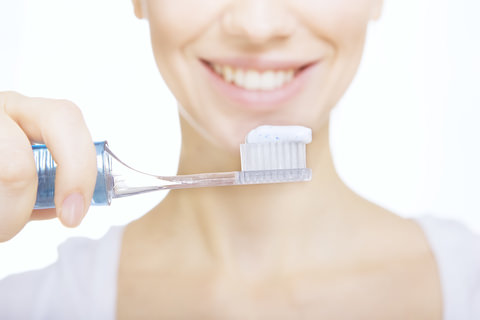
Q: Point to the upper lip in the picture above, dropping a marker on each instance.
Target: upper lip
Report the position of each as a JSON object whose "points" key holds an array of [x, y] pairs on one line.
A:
{"points": [[260, 64]]}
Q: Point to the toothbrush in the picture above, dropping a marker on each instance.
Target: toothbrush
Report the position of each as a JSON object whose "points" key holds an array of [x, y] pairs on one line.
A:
{"points": [[271, 154]]}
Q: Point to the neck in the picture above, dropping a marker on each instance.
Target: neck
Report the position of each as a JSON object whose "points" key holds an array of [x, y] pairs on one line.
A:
{"points": [[260, 220]]}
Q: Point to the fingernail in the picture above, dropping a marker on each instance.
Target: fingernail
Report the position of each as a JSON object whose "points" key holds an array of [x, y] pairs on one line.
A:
{"points": [[72, 210]]}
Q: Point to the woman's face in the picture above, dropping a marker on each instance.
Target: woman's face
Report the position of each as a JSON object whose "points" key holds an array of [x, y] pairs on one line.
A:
{"points": [[237, 64]]}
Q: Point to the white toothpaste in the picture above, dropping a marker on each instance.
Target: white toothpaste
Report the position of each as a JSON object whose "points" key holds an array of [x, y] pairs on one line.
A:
{"points": [[266, 134]]}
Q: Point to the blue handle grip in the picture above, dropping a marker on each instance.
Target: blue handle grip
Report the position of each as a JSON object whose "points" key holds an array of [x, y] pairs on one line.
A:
{"points": [[46, 170]]}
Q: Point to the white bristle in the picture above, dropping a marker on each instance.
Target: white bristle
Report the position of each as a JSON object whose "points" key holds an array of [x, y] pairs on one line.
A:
{"points": [[273, 156]]}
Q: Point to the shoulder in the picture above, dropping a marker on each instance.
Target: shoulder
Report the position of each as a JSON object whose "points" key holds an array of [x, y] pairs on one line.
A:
{"points": [[457, 252], [80, 284]]}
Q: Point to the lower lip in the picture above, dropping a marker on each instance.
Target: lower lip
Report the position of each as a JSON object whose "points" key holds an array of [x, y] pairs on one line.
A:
{"points": [[260, 100]]}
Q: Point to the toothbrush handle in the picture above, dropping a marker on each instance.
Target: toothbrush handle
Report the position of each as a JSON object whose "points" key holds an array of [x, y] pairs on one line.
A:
{"points": [[46, 170]]}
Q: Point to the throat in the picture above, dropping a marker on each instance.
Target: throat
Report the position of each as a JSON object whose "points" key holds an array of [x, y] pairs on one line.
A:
{"points": [[263, 225], [250, 229]]}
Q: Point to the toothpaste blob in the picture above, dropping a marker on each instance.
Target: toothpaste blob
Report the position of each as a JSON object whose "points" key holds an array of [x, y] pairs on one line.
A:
{"points": [[270, 134]]}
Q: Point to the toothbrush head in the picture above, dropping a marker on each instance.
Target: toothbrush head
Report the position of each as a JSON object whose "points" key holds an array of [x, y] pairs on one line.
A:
{"points": [[276, 154]]}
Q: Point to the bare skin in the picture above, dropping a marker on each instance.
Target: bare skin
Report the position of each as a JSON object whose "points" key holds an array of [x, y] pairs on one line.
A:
{"points": [[311, 251]]}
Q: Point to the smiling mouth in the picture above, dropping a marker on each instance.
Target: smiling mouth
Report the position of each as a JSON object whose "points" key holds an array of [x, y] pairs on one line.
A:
{"points": [[253, 79], [259, 84]]}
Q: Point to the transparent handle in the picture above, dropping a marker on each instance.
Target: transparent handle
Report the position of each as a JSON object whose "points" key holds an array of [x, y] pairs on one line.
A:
{"points": [[46, 170]]}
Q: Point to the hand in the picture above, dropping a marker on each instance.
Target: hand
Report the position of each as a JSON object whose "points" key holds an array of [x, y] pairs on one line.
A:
{"points": [[58, 124]]}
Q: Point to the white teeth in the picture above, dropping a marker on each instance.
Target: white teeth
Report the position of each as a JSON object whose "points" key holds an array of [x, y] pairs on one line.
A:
{"points": [[290, 75], [253, 79], [268, 81], [280, 78], [227, 74], [239, 78]]}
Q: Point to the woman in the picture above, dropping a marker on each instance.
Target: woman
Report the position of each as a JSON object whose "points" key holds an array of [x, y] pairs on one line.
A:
{"points": [[310, 250]]}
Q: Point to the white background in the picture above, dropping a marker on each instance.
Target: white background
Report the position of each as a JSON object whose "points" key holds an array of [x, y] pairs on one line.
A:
{"points": [[406, 135]]}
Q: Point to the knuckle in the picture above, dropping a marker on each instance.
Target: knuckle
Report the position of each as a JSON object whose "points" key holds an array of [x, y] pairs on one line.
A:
{"points": [[65, 110], [6, 97], [68, 107]]}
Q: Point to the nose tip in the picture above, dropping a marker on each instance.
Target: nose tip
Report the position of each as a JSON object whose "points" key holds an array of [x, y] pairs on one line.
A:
{"points": [[258, 21]]}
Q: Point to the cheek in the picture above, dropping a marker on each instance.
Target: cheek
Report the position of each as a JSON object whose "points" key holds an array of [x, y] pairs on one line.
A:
{"points": [[342, 22], [174, 26], [177, 22], [341, 25]]}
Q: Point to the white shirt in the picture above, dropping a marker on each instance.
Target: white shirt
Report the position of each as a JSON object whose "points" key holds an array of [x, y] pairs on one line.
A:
{"points": [[82, 284], [457, 252]]}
